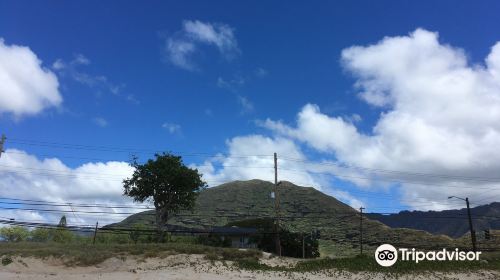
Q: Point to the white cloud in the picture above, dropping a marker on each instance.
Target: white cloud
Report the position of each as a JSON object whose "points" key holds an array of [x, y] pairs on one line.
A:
{"points": [[81, 59], [27, 177], [26, 88], [220, 35], [100, 121], [181, 47], [58, 64], [73, 70], [172, 128], [246, 104], [179, 52], [440, 116], [251, 157]]}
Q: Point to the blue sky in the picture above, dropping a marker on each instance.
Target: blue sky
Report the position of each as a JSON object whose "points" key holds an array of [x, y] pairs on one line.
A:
{"points": [[120, 87]]}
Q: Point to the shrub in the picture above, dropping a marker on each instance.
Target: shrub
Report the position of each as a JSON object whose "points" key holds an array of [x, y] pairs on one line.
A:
{"points": [[40, 235], [14, 233], [61, 235], [6, 260]]}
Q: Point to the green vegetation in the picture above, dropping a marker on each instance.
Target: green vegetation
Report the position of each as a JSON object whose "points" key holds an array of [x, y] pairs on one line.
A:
{"points": [[166, 182], [6, 261], [20, 234], [14, 234], [302, 210], [368, 264]]}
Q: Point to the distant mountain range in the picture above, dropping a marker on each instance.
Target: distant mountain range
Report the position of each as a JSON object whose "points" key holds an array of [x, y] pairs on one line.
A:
{"points": [[453, 223], [303, 209]]}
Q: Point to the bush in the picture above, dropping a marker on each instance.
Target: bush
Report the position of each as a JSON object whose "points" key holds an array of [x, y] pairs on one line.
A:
{"points": [[139, 234], [214, 240], [40, 235], [6, 260], [14, 233], [112, 238], [61, 235]]}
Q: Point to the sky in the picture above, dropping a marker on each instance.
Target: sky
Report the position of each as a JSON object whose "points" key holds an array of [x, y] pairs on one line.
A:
{"points": [[389, 105]]}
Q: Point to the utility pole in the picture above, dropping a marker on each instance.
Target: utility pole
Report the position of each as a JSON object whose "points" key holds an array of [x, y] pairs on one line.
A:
{"points": [[303, 246], [95, 232], [277, 206], [2, 142], [472, 232], [471, 227], [361, 230]]}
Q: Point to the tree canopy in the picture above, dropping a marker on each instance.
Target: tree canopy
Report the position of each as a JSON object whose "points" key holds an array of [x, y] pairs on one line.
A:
{"points": [[166, 182]]}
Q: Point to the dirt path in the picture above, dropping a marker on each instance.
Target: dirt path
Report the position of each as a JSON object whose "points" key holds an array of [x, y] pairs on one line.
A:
{"points": [[183, 267]]}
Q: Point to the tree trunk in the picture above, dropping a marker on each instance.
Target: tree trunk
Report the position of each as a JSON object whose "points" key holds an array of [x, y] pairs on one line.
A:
{"points": [[161, 223]]}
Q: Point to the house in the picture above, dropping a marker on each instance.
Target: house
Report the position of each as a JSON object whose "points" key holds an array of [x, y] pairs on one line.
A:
{"points": [[240, 237]]}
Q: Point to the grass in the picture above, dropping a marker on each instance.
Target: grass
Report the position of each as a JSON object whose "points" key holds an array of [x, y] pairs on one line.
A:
{"points": [[87, 254], [368, 264]]}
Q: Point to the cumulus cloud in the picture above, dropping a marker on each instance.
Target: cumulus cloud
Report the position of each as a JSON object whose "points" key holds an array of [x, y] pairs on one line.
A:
{"points": [[28, 177], [251, 157], [439, 115], [181, 47], [26, 87]]}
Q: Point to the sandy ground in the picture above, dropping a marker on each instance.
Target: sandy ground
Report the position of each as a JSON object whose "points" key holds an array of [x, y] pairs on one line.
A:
{"points": [[180, 267]]}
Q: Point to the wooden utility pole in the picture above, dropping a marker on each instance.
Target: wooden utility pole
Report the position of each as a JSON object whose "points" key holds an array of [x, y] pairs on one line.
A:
{"points": [[95, 232], [2, 142], [277, 207], [361, 230]]}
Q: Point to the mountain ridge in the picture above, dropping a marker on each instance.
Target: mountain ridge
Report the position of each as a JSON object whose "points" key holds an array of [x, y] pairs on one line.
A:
{"points": [[453, 223]]}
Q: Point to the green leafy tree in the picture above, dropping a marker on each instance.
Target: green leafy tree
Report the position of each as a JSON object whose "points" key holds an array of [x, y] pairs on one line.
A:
{"points": [[167, 183], [14, 233]]}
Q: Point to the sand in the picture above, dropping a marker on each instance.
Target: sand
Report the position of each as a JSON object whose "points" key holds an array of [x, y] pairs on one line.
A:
{"points": [[181, 267]]}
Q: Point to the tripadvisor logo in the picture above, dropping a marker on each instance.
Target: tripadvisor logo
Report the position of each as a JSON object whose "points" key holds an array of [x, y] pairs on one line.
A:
{"points": [[387, 255]]}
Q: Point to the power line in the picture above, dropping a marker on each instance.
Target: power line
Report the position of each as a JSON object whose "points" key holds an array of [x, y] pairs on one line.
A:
{"points": [[445, 176], [399, 181], [342, 165], [115, 149]]}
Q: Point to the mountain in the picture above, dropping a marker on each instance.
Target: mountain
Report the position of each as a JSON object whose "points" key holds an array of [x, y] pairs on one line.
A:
{"points": [[303, 209], [453, 223]]}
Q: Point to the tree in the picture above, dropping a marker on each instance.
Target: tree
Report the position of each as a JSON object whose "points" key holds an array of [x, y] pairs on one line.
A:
{"points": [[62, 222], [167, 183]]}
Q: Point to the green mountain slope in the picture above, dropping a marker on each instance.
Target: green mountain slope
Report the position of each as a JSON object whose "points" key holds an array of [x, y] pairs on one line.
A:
{"points": [[302, 210]]}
